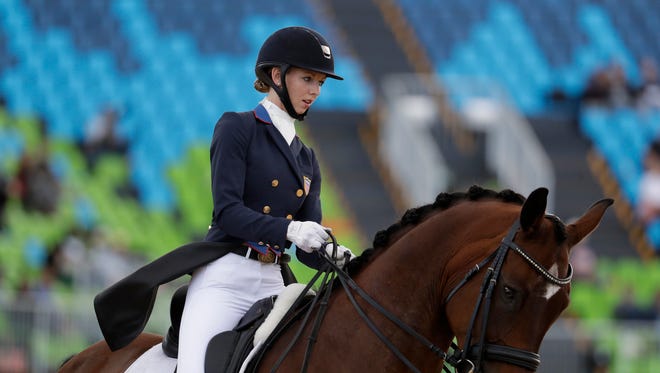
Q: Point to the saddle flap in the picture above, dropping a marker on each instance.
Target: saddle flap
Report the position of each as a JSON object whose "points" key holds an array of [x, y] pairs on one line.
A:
{"points": [[227, 350], [220, 351], [257, 312]]}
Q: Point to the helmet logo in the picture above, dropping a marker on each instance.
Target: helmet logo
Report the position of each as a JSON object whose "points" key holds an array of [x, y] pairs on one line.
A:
{"points": [[326, 51]]}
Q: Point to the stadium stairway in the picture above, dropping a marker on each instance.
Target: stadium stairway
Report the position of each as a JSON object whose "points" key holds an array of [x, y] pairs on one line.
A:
{"points": [[380, 37], [576, 186], [371, 37], [368, 189], [364, 182], [337, 140]]}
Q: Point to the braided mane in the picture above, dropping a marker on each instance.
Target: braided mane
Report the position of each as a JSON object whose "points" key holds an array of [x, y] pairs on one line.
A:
{"points": [[385, 238]]}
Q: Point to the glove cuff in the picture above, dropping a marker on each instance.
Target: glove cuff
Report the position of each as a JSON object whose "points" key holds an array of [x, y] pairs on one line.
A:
{"points": [[292, 229]]}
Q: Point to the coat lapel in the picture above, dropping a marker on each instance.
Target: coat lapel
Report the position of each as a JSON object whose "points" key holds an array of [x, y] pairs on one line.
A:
{"points": [[262, 115]]}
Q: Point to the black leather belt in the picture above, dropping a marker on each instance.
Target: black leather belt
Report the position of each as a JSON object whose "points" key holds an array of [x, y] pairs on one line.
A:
{"points": [[248, 252]]}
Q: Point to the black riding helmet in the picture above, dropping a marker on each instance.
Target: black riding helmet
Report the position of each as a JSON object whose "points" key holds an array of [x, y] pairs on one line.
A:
{"points": [[294, 46]]}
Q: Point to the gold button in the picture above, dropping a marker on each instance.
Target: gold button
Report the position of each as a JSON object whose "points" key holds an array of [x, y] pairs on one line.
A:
{"points": [[299, 192], [290, 217], [266, 209], [277, 247], [275, 183]]}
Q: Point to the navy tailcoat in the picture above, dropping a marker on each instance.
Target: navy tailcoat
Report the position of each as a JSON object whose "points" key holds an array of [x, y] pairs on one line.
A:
{"points": [[259, 185]]}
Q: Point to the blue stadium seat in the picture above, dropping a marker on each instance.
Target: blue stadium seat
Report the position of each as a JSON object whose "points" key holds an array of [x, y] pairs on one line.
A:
{"points": [[164, 64], [11, 145], [34, 252], [653, 233], [568, 41]]}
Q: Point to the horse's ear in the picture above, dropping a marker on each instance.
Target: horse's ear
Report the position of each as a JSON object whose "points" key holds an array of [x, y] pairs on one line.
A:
{"points": [[587, 222], [533, 210]]}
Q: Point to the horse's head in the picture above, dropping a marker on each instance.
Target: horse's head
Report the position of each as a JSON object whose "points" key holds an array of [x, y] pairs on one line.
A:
{"points": [[501, 310]]}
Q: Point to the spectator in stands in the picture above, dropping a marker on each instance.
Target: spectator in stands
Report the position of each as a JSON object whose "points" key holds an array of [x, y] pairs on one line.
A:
{"points": [[109, 258], [648, 205], [609, 87], [35, 184], [597, 360], [597, 89], [629, 309], [75, 269], [266, 185], [42, 289], [621, 92], [648, 95], [3, 106], [4, 197], [101, 136], [656, 305]]}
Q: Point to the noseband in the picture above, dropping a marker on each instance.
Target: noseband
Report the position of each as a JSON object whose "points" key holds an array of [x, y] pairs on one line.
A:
{"points": [[471, 357]]}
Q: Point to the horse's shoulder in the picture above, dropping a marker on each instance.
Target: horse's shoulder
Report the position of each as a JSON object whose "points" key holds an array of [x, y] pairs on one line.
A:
{"points": [[145, 341], [150, 338]]}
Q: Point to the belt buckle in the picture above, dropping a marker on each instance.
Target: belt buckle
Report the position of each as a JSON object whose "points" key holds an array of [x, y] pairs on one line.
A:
{"points": [[269, 257]]}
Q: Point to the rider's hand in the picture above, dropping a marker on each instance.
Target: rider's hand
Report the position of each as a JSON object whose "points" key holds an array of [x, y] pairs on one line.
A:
{"points": [[344, 255], [307, 235]]}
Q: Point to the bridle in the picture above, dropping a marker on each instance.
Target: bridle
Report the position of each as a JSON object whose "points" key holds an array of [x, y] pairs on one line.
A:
{"points": [[472, 356]]}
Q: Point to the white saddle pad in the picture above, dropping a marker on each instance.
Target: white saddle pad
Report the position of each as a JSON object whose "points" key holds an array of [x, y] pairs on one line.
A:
{"points": [[154, 360]]}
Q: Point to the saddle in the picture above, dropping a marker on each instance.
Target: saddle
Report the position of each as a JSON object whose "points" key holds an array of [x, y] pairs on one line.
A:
{"points": [[227, 351]]}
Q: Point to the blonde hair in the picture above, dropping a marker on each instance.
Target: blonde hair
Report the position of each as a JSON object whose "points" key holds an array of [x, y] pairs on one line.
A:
{"points": [[261, 86]]}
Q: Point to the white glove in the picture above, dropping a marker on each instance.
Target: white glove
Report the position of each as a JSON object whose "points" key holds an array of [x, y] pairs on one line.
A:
{"points": [[344, 255], [307, 235]]}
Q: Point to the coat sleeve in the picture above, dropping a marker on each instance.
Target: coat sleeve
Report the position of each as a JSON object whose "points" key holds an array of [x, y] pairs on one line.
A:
{"points": [[229, 147]]}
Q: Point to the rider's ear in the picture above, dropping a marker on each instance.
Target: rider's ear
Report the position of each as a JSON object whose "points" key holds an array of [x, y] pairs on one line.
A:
{"points": [[276, 75], [533, 210]]}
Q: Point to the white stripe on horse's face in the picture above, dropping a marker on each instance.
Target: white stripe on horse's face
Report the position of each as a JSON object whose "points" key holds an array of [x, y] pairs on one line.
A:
{"points": [[550, 288]]}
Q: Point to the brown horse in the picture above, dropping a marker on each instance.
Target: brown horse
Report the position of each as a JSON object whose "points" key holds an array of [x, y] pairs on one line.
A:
{"points": [[476, 266]]}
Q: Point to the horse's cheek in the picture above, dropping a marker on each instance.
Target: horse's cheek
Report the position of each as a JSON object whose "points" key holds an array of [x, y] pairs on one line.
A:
{"points": [[458, 319]]}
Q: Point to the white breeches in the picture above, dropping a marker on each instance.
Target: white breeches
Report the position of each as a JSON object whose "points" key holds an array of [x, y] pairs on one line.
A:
{"points": [[219, 294]]}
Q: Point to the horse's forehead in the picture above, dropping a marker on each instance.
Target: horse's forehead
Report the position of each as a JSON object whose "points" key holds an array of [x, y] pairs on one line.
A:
{"points": [[555, 237], [548, 288]]}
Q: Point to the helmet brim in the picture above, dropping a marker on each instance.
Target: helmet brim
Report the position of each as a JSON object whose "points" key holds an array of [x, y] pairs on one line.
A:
{"points": [[329, 74]]}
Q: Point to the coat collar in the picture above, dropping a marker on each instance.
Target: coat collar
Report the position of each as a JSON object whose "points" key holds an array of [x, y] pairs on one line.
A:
{"points": [[261, 114]]}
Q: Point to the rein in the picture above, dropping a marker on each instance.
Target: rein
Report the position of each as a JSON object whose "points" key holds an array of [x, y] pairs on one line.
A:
{"points": [[348, 284], [470, 358], [332, 272]]}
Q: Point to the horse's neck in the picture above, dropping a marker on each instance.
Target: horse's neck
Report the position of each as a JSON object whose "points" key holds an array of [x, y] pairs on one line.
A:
{"points": [[406, 280], [412, 276]]}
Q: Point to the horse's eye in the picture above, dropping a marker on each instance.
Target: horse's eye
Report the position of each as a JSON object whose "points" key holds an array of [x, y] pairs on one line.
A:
{"points": [[509, 293]]}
